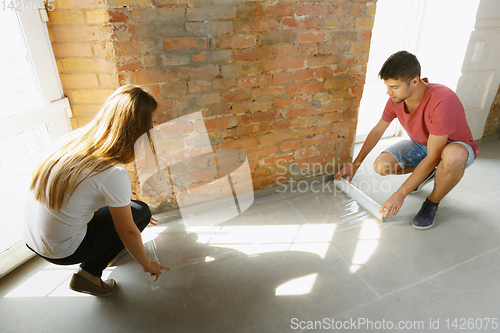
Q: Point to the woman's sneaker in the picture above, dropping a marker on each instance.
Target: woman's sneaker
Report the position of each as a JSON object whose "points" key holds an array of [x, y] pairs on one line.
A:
{"points": [[426, 181]]}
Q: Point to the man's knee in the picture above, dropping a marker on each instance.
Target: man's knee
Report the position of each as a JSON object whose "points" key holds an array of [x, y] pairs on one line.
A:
{"points": [[454, 155], [385, 164]]}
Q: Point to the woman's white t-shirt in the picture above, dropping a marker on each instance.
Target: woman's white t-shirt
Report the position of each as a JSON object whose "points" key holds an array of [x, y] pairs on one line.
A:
{"points": [[56, 235]]}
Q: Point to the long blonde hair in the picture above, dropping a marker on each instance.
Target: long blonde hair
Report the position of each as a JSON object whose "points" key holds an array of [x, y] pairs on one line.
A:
{"points": [[106, 141]]}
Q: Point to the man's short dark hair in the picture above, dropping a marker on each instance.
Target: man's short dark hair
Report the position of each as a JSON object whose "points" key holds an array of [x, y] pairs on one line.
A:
{"points": [[401, 65]]}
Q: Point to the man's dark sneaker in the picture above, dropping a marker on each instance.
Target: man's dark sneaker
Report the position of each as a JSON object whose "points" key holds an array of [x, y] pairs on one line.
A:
{"points": [[426, 181], [425, 217]]}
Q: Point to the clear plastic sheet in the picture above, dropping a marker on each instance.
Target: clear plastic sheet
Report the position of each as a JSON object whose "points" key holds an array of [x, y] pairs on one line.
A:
{"points": [[176, 159], [270, 225], [174, 247]]}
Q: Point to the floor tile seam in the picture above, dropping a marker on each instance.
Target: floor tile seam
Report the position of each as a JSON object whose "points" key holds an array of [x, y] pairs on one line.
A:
{"points": [[303, 217], [439, 273], [359, 276], [379, 298]]}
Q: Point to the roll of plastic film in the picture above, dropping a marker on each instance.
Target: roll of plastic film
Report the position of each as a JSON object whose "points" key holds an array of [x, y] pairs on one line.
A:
{"points": [[365, 201]]}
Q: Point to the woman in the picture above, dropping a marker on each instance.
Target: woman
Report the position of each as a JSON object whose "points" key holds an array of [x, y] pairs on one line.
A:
{"points": [[80, 210]]}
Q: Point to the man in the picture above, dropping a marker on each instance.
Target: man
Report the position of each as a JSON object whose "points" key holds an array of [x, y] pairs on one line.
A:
{"points": [[441, 145]]}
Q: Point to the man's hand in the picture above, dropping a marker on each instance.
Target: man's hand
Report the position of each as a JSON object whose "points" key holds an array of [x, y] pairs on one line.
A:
{"points": [[392, 205], [349, 169]]}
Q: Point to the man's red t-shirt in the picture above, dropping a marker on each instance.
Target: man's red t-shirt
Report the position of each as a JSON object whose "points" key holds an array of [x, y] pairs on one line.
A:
{"points": [[439, 113]]}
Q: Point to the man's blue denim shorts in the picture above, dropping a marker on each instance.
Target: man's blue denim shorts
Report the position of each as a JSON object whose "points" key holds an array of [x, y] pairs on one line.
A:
{"points": [[409, 153]]}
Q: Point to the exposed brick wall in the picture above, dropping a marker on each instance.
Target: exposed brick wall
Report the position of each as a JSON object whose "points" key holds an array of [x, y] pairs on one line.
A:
{"points": [[492, 126], [281, 80], [82, 42]]}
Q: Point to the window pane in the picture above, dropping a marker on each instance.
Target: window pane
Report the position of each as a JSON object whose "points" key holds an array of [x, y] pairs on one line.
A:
{"points": [[19, 86], [20, 153]]}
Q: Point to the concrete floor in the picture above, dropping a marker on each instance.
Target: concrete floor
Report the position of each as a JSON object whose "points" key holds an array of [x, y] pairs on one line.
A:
{"points": [[293, 262]]}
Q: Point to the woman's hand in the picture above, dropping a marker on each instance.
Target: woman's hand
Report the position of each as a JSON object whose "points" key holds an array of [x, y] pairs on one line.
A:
{"points": [[154, 269]]}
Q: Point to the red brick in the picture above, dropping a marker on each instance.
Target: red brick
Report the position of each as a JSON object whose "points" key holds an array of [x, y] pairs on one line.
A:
{"points": [[285, 77], [241, 143], [349, 114], [258, 106], [290, 145], [141, 31], [327, 149], [279, 10], [312, 36], [357, 91], [277, 38], [366, 35], [237, 41], [220, 109], [255, 54], [119, 15], [200, 57], [130, 64], [278, 159], [258, 25], [197, 86], [333, 137], [258, 117], [323, 73], [303, 75], [300, 112], [355, 9], [203, 71], [281, 103], [185, 43], [323, 60], [254, 81], [198, 100], [242, 69], [221, 122], [361, 80], [308, 49], [236, 96], [339, 94], [164, 104], [252, 130], [289, 23], [159, 14], [305, 153], [135, 47], [311, 23], [313, 10], [313, 141], [272, 65], [271, 92], [259, 153], [313, 130], [291, 123], [151, 76], [174, 88], [302, 99], [305, 88], [335, 106], [224, 84], [287, 51], [343, 126], [272, 138]]}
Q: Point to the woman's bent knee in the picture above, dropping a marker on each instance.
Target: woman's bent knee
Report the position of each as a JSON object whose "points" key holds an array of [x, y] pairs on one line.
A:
{"points": [[140, 211]]}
